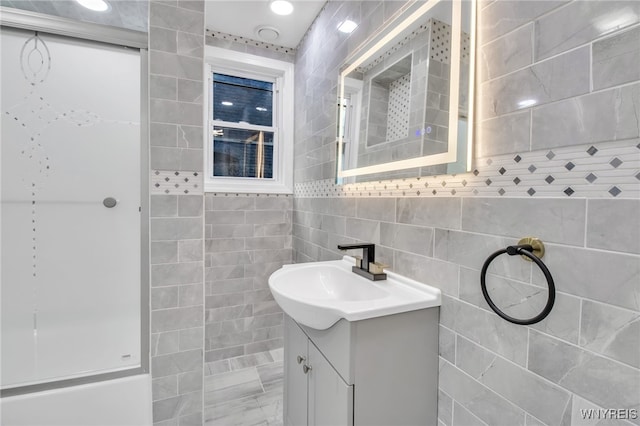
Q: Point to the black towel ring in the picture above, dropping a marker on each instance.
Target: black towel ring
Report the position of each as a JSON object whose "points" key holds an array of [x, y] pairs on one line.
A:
{"points": [[524, 250]]}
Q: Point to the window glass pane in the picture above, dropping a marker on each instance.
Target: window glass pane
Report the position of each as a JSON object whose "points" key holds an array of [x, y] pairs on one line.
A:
{"points": [[242, 100], [242, 153]]}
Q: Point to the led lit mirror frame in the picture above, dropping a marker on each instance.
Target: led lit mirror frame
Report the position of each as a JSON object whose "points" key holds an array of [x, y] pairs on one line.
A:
{"points": [[408, 17]]}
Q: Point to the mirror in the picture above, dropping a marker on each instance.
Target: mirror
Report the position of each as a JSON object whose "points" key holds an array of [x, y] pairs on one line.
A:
{"points": [[397, 92]]}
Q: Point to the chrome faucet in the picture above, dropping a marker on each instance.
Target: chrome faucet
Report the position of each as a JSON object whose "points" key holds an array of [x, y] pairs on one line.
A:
{"points": [[368, 258]]}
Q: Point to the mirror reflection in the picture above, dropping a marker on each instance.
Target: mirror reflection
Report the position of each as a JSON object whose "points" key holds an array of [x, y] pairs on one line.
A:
{"points": [[396, 95]]}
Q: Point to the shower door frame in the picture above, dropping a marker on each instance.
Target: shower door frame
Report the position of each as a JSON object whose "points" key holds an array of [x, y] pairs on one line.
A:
{"points": [[32, 21]]}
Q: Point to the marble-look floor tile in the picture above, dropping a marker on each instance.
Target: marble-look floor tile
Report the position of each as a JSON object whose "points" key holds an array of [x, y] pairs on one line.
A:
{"points": [[271, 376], [247, 397], [277, 354], [231, 386], [251, 360], [243, 412]]}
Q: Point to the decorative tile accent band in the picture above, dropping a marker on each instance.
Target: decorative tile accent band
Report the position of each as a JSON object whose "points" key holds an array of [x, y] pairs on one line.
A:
{"points": [[252, 42], [242, 194], [168, 182], [607, 170]]}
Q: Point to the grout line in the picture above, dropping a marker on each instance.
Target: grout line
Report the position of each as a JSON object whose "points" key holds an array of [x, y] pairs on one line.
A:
{"points": [[580, 321], [586, 223], [526, 361]]}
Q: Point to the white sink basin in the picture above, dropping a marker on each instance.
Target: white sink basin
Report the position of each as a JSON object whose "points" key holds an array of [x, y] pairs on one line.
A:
{"points": [[319, 294]]}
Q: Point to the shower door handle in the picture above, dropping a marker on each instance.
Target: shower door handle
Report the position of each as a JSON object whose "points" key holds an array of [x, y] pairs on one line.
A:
{"points": [[109, 202]]}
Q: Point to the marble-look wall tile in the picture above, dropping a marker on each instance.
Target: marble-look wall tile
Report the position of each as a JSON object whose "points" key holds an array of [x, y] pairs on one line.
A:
{"points": [[164, 387], [562, 322], [506, 54], [603, 276], [504, 134], [463, 417], [580, 22], [445, 408], [175, 18], [561, 77], [250, 238], [163, 87], [478, 399], [471, 250], [414, 239], [486, 329], [439, 213], [553, 220], [614, 225], [376, 209], [512, 382], [176, 229], [603, 116], [611, 331], [503, 16], [575, 370], [616, 59], [443, 275], [177, 406]]}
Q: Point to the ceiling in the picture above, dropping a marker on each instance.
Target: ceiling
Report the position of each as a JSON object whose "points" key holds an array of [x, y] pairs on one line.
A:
{"points": [[244, 17], [130, 14], [237, 17]]}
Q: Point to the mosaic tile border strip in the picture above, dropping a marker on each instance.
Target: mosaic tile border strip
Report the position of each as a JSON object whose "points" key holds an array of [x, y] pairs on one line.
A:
{"points": [[243, 194], [171, 182], [238, 39], [606, 170]]}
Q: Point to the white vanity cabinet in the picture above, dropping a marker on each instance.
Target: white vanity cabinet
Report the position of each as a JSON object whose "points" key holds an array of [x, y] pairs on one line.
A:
{"points": [[379, 371], [315, 393]]}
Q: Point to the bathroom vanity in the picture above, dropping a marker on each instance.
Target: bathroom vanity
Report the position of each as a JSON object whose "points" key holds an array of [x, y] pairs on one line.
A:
{"points": [[357, 351], [379, 371]]}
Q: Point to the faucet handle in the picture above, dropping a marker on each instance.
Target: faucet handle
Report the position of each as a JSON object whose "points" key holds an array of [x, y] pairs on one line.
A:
{"points": [[377, 268]]}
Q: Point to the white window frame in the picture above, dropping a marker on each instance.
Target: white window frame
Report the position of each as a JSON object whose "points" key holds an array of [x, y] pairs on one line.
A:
{"points": [[244, 64]]}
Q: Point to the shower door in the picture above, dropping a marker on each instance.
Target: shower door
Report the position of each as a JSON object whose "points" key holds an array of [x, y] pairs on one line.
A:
{"points": [[70, 208]]}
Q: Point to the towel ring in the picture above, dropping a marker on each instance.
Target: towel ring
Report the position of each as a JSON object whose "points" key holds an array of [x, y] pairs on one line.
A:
{"points": [[526, 250]]}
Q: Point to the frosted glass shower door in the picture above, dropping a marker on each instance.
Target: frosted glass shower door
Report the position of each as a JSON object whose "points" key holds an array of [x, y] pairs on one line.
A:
{"points": [[70, 258]]}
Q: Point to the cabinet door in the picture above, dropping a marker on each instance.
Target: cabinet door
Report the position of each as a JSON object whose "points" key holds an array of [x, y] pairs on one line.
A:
{"points": [[295, 381], [330, 398]]}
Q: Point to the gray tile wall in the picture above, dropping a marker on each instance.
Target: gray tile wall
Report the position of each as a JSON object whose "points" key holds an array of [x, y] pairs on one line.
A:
{"points": [[248, 237], [176, 40], [582, 69]]}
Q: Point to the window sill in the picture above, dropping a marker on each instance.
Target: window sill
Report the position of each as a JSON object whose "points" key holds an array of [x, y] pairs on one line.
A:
{"points": [[247, 187]]}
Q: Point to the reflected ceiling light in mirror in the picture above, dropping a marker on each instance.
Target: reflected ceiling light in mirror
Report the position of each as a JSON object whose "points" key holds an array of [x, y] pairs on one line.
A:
{"points": [[281, 7], [95, 5], [347, 26], [527, 103], [261, 109], [227, 103]]}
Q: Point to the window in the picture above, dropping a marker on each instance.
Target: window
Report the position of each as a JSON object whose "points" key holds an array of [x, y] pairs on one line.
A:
{"points": [[250, 123]]}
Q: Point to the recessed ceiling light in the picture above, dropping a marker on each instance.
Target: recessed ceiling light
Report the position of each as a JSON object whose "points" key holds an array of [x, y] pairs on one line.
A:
{"points": [[281, 7], [227, 103], [347, 26], [261, 109], [95, 5]]}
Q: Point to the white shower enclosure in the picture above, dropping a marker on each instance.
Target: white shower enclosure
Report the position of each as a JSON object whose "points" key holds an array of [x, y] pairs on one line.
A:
{"points": [[71, 211]]}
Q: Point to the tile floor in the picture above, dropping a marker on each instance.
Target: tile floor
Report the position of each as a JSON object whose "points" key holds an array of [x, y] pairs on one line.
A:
{"points": [[244, 391]]}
